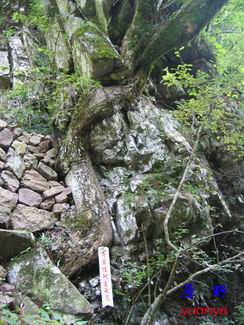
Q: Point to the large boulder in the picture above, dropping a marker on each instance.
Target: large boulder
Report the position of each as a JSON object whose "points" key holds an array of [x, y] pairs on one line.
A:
{"points": [[8, 200], [31, 219], [34, 181], [36, 276], [29, 197], [6, 138], [13, 242], [10, 181], [16, 164], [142, 158]]}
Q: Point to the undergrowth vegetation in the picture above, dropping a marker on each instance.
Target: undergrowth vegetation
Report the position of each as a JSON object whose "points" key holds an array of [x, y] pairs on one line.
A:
{"points": [[46, 316]]}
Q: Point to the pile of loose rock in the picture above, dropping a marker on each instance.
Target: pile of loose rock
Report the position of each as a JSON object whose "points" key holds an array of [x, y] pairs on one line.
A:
{"points": [[31, 197], [32, 200]]}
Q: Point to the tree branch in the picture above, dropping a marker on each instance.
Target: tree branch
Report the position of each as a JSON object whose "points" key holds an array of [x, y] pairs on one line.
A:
{"points": [[147, 40], [160, 298], [172, 205]]}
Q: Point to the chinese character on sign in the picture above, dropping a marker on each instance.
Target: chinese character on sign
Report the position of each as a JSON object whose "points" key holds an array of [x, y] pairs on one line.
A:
{"points": [[105, 277], [219, 291], [188, 291]]}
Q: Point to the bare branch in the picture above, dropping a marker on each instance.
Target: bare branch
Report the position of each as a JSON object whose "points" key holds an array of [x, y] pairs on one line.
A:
{"points": [[172, 205], [151, 311]]}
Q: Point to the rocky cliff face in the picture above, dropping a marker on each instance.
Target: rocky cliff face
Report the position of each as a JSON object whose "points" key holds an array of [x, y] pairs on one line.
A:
{"points": [[108, 176]]}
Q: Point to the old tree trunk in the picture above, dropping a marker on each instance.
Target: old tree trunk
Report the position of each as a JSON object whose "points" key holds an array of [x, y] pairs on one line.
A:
{"points": [[138, 184], [117, 44], [112, 133]]}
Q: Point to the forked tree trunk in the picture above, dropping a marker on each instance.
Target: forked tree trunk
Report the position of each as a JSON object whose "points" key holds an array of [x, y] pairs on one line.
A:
{"points": [[114, 42]]}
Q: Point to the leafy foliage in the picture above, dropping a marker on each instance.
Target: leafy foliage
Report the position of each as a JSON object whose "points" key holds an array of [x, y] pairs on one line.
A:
{"points": [[226, 34], [216, 101], [40, 97], [239, 314], [136, 274], [36, 16], [211, 102], [46, 316]]}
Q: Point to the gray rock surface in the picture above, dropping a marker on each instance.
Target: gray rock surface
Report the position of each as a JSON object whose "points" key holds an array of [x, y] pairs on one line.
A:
{"points": [[47, 204], [8, 200], [30, 161], [35, 275], [31, 219], [16, 164], [35, 140], [53, 191], [29, 197], [2, 154], [47, 172], [6, 138], [20, 147], [10, 181], [35, 181], [13, 242]]}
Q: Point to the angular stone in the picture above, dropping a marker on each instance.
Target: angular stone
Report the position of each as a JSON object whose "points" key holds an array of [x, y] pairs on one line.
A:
{"points": [[3, 124], [44, 146], [126, 221], [13, 242], [48, 161], [17, 132], [11, 182], [55, 184], [24, 138], [7, 288], [52, 153], [30, 161], [60, 208], [35, 140], [29, 197], [33, 149], [47, 171], [2, 165], [20, 147], [53, 191], [29, 308], [26, 134], [12, 126], [47, 204], [31, 219], [10, 152], [2, 154], [6, 138], [35, 181], [8, 200], [16, 164], [5, 300], [63, 197], [35, 275]]}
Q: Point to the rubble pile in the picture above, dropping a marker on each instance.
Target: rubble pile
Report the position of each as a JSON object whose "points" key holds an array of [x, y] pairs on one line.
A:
{"points": [[31, 196]]}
